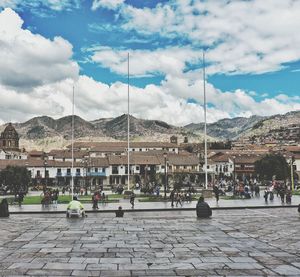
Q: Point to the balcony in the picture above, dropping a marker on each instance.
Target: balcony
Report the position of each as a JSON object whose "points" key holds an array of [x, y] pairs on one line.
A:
{"points": [[96, 174]]}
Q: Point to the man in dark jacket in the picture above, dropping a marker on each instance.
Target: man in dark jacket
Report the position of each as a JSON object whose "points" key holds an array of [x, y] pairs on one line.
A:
{"points": [[203, 209], [4, 212]]}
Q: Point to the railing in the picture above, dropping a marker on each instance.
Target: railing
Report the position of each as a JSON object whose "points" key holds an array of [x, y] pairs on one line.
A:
{"points": [[96, 174]]}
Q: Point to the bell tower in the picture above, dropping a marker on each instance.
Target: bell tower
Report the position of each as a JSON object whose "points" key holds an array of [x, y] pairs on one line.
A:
{"points": [[9, 139]]}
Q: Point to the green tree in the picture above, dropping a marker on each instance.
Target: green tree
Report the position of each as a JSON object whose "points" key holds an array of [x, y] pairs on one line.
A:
{"points": [[16, 178], [272, 165]]}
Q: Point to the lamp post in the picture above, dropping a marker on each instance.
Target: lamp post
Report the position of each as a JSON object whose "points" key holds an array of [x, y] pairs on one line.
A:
{"points": [[292, 172], [166, 180], [233, 169], [85, 181], [45, 166]]}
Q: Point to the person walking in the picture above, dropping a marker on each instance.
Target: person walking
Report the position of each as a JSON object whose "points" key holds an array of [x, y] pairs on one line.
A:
{"points": [[216, 192], [132, 197]]}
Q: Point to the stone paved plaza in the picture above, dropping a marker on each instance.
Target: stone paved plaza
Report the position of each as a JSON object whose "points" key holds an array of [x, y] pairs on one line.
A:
{"points": [[263, 242]]}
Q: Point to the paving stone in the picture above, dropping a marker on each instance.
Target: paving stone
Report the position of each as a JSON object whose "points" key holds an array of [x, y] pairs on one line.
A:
{"points": [[51, 272], [287, 270], [70, 266], [153, 244], [26, 265]]}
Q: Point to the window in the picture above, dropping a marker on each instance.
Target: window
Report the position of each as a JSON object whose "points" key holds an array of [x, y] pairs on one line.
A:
{"points": [[103, 169], [68, 171], [96, 169], [137, 167], [115, 170]]}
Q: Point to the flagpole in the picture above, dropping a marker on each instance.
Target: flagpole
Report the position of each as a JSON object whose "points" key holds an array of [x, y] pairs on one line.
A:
{"points": [[205, 127], [72, 178], [128, 125]]}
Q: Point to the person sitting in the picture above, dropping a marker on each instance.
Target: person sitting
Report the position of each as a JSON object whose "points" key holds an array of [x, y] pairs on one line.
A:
{"points": [[203, 209], [119, 212], [4, 208], [75, 208]]}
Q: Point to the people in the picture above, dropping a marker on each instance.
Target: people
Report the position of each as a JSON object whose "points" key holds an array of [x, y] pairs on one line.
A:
{"points": [[95, 199], [75, 208], [203, 209], [172, 197], [4, 212], [119, 212], [216, 192], [132, 197]]}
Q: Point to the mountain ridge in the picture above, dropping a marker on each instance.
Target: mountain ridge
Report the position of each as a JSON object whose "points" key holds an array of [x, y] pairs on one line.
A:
{"points": [[44, 130]]}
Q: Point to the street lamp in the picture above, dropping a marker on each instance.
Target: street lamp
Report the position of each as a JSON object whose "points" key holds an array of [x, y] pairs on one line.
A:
{"points": [[45, 166], [85, 181], [166, 180], [292, 172], [233, 169]]}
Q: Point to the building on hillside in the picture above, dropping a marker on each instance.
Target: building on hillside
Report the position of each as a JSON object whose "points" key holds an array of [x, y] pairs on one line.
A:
{"points": [[102, 149]]}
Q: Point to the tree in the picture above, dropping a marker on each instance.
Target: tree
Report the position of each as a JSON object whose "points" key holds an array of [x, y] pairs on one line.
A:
{"points": [[15, 178], [272, 165]]}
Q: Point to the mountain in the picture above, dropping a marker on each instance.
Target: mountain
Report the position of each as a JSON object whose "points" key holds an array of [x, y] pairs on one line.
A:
{"points": [[45, 127], [227, 128], [271, 125], [47, 133]]}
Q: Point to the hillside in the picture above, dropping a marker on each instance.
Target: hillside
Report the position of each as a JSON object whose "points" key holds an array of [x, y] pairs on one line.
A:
{"points": [[274, 126], [47, 133], [227, 128]]}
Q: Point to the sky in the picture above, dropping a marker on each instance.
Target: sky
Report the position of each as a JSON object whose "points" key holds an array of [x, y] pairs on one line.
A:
{"points": [[49, 47]]}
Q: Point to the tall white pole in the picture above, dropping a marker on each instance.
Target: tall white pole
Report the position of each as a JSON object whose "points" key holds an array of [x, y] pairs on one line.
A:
{"points": [[72, 178], [128, 125], [205, 131]]}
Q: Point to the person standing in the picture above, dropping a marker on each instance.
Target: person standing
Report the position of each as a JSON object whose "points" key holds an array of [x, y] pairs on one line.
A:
{"points": [[282, 194], [95, 200], [172, 197], [266, 194]]}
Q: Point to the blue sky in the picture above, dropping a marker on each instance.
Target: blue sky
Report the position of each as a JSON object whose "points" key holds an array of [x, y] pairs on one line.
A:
{"points": [[252, 55]]}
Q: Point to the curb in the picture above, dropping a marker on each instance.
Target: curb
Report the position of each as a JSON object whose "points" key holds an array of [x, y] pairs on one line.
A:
{"points": [[158, 210]]}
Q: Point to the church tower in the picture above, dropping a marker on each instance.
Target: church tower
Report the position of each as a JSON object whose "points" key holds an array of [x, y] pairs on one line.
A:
{"points": [[9, 139]]}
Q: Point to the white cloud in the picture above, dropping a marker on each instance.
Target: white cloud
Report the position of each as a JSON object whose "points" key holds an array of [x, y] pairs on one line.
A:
{"points": [[39, 7], [37, 75], [142, 62], [27, 59], [108, 4], [243, 36]]}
